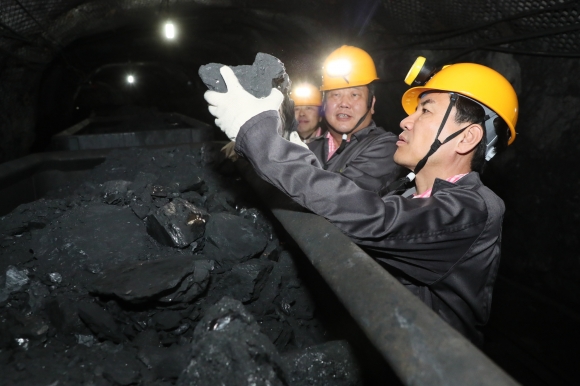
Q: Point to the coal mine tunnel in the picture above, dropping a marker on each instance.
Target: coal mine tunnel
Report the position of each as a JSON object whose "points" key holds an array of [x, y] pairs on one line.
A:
{"points": [[135, 250]]}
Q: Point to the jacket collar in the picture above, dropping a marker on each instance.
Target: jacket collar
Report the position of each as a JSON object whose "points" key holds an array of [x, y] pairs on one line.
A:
{"points": [[472, 178]]}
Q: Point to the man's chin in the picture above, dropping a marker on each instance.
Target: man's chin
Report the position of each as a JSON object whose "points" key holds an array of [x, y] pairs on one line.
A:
{"points": [[400, 160]]}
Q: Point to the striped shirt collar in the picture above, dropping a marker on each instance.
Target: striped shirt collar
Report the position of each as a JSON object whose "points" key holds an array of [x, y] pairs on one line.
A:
{"points": [[331, 145]]}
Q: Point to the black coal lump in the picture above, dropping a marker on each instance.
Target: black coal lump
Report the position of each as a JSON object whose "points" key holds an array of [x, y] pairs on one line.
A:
{"points": [[331, 363], [122, 368], [166, 363], [114, 192], [231, 239], [151, 280], [177, 224], [229, 349], [245, 281], [87, 238], [266, 73], [100, 322]]}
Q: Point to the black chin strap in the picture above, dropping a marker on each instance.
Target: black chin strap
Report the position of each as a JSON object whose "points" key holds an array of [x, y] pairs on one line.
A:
{"points": [[399, 186], [436, 144]]}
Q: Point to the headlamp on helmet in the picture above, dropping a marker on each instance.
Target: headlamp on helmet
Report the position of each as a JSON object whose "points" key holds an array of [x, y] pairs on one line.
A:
{"points": [[347, 66], [339, 68], [303, 92], [420, 72]]}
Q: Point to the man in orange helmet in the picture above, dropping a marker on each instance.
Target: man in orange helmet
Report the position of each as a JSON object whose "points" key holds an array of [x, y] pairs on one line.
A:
{"points": [[307, 101], [353, 145], [443, 242]]}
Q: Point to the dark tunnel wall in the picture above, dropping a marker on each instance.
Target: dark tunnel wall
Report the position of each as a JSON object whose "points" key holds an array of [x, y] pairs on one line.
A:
{"points": [[538, 181], [42, 83]]}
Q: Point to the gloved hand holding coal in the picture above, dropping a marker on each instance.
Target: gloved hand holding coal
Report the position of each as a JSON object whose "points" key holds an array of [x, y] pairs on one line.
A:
{"points": [[236, 106]]}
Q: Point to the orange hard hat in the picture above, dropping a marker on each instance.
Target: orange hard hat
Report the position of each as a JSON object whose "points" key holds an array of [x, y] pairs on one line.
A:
{"points": [[475, 81], [305, 94], [347, 66]]}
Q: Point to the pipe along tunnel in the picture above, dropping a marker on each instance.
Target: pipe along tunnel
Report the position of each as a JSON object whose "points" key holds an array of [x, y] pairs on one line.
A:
{"points": [[106, 138]]}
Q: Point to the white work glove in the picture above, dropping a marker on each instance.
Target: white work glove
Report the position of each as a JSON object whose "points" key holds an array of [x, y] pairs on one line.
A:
{"points": [[236, 106], [295, 138]]}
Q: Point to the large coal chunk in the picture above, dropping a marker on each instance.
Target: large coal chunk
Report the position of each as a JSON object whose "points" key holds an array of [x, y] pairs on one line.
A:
{"points": [[232, 240], [331, 363], [87, 238], [266, 73], [175, 279], [229, 349], [122, 368], [177, 224], [114, 192], [100, 322], [245, 281], [166, 363], [193, 285]]}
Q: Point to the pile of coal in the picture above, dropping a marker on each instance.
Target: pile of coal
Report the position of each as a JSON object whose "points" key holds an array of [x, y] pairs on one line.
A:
{"points": [[158, 269]]}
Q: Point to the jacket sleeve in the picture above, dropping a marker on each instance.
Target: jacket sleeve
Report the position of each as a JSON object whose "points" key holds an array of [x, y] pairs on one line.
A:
{"points": [[374, 167], [424, 235]]}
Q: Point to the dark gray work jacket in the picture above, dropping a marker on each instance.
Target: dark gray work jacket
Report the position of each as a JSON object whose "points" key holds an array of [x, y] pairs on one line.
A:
{"points": [[445, 248], [367, 159]]}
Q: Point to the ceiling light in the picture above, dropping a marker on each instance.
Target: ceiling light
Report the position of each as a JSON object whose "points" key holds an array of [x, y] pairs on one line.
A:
{"points": [[169, 29], [130, 79]]}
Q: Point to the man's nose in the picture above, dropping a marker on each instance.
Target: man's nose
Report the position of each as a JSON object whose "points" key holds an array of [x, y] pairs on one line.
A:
{"points": [[407, 123], [344, 102]]}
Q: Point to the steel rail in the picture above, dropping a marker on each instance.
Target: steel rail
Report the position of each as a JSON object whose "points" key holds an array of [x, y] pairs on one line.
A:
{"points": [[418, 345]]}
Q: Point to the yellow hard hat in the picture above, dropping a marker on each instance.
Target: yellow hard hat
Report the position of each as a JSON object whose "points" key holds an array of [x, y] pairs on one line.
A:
{"points": [[305, 94], [347, 66], [476, 82]]}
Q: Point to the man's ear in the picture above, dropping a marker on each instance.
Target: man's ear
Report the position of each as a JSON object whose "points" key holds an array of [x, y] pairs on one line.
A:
{"points": [[469, 139], [373, 105]]}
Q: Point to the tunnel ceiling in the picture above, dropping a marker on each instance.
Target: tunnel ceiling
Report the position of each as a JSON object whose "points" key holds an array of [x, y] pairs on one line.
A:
{"points": [[50, 50], [35, 30]]}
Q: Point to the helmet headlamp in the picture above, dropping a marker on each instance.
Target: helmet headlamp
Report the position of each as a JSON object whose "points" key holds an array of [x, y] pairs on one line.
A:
{"points": [[420, 72], [302, 92], [339, 68]]}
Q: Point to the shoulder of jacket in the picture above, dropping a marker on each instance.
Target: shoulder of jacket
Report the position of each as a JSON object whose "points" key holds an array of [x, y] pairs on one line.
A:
{"points": [[377, 131]]}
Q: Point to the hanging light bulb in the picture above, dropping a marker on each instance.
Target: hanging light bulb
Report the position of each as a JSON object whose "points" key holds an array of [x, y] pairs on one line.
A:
{"points": [[169, 29], [130, 79]]}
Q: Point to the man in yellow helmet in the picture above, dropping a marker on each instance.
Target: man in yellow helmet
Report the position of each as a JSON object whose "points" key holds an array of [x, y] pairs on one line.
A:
{"points": [[307, 101], [353, 145], [442, 243]]}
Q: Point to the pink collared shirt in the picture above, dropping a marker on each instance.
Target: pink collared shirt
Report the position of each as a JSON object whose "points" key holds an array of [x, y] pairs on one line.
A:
{"points": [[427, 193], [331, 145]]}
